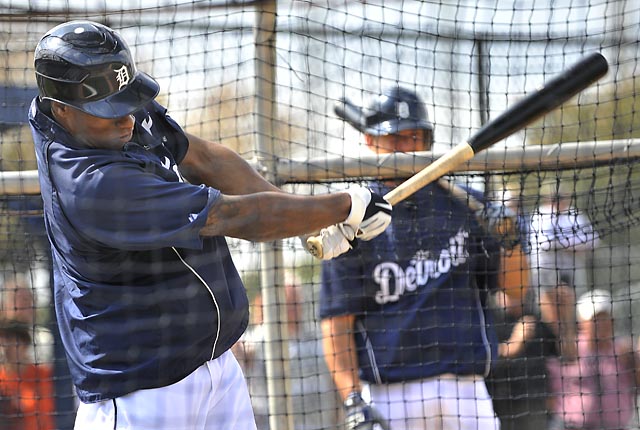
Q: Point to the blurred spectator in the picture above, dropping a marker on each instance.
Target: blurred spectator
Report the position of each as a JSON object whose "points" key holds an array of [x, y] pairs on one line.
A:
{"points": [[596, 389], [518, 381], [561, 238], [26, 395], [514, 277], [314, 401], [17, 303], [558, 311], [511, 200]]}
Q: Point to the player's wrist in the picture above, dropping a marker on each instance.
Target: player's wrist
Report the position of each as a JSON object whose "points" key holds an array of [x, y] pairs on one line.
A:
{"points": [[360, 198]]}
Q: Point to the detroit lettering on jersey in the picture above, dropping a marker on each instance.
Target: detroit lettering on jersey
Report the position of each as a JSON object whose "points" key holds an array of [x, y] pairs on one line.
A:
{"points": [[417, 292], [394, 280]]}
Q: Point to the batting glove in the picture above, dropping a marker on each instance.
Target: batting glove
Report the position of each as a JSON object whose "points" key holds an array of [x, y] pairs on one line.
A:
{"points": [[370, 214], [334, 241], [360, 416]]}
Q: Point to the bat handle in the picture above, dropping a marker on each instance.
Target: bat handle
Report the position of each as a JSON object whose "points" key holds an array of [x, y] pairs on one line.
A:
{"points": [[443, 165], [459, 154]]}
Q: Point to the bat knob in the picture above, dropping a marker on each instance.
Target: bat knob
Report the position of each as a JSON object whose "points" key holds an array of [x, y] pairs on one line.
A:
{"points": [[314, 247]]}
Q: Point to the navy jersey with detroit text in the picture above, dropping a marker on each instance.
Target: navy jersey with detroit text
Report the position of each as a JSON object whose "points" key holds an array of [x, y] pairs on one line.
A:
{"points": [[418, 292], [141, 298]]}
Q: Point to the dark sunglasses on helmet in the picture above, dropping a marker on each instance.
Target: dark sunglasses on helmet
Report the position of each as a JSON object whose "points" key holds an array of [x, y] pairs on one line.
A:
{"points": [[83, 85]]}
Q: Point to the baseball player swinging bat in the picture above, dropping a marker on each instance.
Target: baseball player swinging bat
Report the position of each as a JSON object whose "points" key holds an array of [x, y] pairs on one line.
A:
{"points": [[542, 101]]}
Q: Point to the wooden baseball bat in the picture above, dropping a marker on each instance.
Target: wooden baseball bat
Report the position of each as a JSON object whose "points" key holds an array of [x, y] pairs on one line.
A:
{"points": [[536, 104]]}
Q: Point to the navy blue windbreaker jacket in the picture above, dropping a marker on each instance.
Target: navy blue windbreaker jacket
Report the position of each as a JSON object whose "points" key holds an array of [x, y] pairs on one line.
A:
{"points": [[141, 298]]}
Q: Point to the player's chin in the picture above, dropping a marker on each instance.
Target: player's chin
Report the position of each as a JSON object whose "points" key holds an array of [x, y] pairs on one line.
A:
{"points": [[119, 140], [114, 142], [126, 137]]}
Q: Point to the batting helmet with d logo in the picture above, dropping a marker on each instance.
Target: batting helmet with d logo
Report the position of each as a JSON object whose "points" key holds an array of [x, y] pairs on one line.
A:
{"points": [[395, 110], [88, 66]]}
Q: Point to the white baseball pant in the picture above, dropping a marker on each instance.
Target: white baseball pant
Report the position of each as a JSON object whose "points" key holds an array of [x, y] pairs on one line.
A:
{"points": [[446, 402], [212, 397]]}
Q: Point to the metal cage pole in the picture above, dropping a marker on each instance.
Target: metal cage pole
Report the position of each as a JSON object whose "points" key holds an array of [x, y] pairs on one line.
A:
{"points": [[271, 264], [559, 156]]}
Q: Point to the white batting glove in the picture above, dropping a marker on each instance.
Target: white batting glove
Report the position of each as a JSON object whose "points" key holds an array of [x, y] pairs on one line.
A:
{"points": [[370, 214], [361, 416], [334, 241]]}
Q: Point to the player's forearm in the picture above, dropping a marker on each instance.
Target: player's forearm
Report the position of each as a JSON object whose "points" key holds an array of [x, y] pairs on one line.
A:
{"points": [[217, 166], [340, 354], [274, 215], [522, 331]]}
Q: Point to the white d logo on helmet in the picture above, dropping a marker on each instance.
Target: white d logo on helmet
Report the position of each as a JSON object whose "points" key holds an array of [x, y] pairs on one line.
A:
{"points": [[122, 76], [403, 110]]}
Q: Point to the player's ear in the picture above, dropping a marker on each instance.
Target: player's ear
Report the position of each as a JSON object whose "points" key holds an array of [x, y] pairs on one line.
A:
{"points": [[65, 115], [370, 141], [428, 139], [59, 110]]}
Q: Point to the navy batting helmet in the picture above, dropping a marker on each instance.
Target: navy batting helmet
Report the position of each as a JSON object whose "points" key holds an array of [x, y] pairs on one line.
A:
{"points": [[395, 110], [88, 66]]}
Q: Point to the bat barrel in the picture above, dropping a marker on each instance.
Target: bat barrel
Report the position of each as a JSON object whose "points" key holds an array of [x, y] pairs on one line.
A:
{"points": [[555, 92]]}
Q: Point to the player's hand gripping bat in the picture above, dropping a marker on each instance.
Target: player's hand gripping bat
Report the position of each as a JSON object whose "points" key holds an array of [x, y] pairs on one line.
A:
{"points": [[536, 104]]}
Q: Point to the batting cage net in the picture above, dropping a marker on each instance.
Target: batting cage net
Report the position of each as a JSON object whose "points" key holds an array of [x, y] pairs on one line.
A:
{"points": [[515, 270]]}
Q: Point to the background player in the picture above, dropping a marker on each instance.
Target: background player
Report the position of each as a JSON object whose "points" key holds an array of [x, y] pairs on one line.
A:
{"points": [[148, 300], [403, 318], [563, 241], [595, 388]]}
